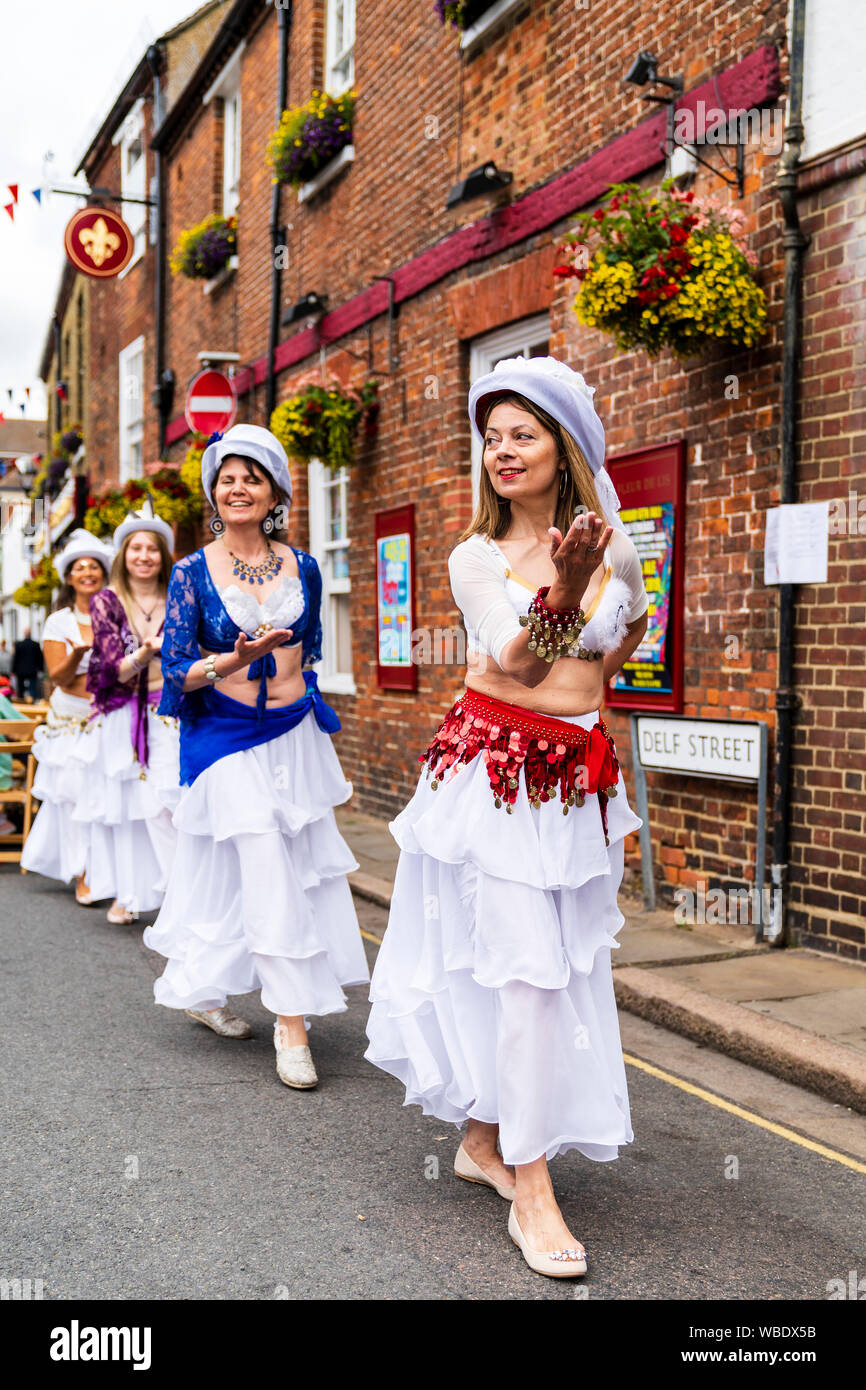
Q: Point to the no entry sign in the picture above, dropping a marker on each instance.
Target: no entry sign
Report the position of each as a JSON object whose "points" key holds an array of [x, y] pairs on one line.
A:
{"points": [[211, 402]]}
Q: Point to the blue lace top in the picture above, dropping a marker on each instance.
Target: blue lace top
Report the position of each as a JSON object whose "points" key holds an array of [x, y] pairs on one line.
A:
{"points": [[195, 616]]}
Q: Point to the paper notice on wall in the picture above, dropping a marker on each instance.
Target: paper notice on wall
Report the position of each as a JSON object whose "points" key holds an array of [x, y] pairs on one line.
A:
{"points": [[796, 543]]}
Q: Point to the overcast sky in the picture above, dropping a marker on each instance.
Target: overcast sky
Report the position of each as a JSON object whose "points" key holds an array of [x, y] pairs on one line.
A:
{"points": [[64, 65]]}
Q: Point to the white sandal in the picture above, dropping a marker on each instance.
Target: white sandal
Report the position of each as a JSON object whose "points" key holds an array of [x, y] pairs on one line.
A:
{"points": [[294, 1064]]}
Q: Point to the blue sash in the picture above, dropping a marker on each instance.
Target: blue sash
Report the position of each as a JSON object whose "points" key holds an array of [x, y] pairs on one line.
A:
{"points": [[222, 725]]}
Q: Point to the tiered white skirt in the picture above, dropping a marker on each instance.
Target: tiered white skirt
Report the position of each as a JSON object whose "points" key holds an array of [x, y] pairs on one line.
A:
{"points": [[492, 996], [58, 844], [259, 897], [103, 814]]}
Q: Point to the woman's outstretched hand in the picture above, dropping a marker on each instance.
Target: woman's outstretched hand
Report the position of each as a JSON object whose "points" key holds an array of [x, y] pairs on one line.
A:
{"points": [[576, 556], [248, 650]]}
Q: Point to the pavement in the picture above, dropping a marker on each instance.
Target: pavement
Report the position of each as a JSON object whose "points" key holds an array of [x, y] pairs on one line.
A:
{"points": [[798, 1014]]}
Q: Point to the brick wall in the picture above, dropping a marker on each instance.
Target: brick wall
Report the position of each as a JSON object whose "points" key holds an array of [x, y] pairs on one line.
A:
{"points": [[828, 851]]}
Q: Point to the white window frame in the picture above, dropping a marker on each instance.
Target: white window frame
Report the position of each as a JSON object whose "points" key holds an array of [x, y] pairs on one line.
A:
{"points": [[339, 48], [833, 51], [514, 341], [319, 477], [133, 184], [227, 85], [130, 416]]}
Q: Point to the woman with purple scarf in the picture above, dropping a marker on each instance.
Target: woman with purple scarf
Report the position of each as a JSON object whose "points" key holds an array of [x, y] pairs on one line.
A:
{"points": [[133, 777]]}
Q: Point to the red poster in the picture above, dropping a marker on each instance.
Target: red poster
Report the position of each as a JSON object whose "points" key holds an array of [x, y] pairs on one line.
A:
{"points": [[650, 483]]}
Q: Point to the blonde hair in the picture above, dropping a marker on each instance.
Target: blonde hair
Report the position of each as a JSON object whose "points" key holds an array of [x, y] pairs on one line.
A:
{"points": [[493, 513], [118, 579]]}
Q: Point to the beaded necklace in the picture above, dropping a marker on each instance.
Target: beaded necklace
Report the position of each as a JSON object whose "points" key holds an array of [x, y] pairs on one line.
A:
{"points": [[257, 574]]}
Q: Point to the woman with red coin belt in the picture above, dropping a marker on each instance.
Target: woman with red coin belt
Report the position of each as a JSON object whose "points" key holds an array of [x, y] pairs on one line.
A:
{"points": [[492, 997]]}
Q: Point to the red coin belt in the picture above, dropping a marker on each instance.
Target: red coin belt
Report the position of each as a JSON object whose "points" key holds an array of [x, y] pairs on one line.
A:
{"points": [[552, 755]]}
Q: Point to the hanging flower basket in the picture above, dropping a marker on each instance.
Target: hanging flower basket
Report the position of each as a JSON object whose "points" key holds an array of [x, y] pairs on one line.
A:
{"points": [[310, 136], [41, 585], [174, 499], [666, 269], [203, 251], [323, 422], [72, 440], [460, 14]]}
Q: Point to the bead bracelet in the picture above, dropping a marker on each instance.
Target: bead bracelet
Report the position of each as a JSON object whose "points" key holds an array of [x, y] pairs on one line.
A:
{"points": [[553, 631]]}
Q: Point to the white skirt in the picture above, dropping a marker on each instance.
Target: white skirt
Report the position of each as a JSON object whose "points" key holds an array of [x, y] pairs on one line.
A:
{"points": [[127, 808], [492, 996], [258, 898], [58, 844]]}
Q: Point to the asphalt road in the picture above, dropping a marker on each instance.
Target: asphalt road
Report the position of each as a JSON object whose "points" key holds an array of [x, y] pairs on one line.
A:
{"points": [[144, 1157]]}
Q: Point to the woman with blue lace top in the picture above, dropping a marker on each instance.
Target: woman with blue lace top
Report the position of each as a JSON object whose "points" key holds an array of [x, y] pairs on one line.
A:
{"points": [[258, 897]]}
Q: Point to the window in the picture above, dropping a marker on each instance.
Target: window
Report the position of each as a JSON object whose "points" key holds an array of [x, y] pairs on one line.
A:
{"points": [[228, 87], [835, 42], [529, 338], [131, 412], [329, 543], [340, 44], [133, 177]]}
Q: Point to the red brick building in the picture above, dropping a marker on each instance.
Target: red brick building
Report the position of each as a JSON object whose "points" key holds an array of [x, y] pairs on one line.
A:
{"points": [[425, 297]]}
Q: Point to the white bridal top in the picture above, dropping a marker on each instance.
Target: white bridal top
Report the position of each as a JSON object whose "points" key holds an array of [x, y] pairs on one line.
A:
{"points": [[63, 627], [492, 597], [281, 607]]}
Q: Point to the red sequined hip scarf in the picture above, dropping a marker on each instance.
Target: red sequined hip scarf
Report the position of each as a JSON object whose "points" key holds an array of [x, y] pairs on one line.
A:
{"points": [[552, 754]]}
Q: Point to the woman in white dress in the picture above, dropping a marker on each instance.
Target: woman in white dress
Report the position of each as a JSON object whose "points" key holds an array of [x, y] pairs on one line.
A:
{"points": [[258, 899], [131, 754], [492, 996], [59, 842]]}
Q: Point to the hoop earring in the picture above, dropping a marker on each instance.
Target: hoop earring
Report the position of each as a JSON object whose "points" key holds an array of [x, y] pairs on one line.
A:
{"points": [[269, 525], [217, 525]]}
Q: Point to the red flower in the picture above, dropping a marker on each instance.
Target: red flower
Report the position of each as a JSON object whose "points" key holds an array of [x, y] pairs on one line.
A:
{"points": [[598, 215]]}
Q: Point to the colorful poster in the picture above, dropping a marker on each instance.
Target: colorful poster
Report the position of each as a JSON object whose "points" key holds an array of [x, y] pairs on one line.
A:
{"points": [[650, 667], [393, 571]]}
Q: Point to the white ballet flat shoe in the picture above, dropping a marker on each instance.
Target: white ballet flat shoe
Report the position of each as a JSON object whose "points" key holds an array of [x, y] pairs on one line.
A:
{"points": [[558, 1264], [222, 1021], [121, 916], [295, 1064], [466, 1167]]}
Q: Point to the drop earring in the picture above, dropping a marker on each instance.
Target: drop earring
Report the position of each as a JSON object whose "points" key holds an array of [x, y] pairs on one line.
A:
{"points": [[217, 525]]}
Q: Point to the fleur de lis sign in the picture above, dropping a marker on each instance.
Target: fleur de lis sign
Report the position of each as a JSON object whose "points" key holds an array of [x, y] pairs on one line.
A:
{"points": [[99, 242]]}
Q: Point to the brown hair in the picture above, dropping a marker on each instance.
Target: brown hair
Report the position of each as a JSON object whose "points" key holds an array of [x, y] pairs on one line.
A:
{"points": [[66, 595], [119, 579], [493, 513]]}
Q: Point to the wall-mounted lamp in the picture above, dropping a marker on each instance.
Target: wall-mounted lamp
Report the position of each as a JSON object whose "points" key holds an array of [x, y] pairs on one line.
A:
{"points": [[483, 180], [682, 157], [311, 306]]}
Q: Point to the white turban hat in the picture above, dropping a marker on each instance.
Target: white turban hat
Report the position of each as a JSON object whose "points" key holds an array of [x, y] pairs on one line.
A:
{"points": [[249, 442], [565, 395]]}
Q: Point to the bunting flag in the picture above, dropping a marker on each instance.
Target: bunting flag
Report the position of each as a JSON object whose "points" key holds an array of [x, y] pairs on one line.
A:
{"points": [[9, 392], [37, 194], [13, 189], [10, 208], [23, 407], [2, 418], [27, 392]]}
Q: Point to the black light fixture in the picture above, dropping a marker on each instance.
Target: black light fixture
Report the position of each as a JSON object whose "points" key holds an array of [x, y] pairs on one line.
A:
{"points": [[483, 180], [311, 305], [645, 69]]}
